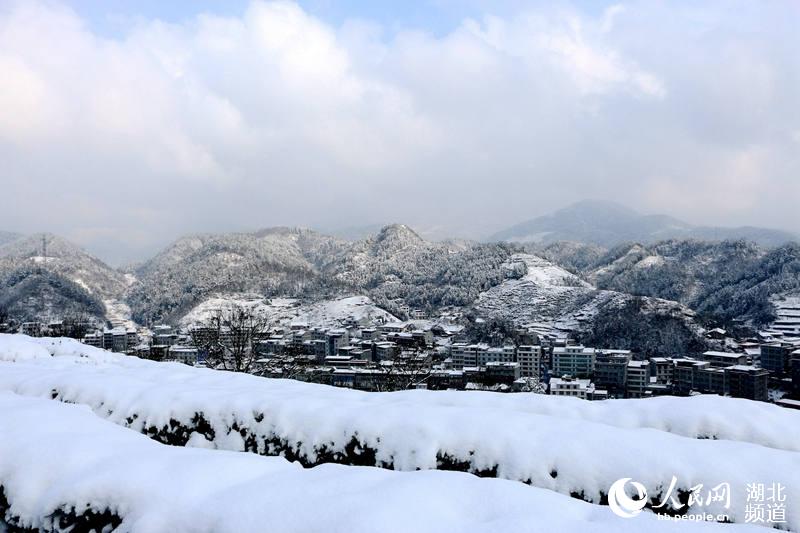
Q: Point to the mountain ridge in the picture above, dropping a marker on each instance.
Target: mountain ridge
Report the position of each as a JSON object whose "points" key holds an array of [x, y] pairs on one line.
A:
{"points": [[608, 224]]}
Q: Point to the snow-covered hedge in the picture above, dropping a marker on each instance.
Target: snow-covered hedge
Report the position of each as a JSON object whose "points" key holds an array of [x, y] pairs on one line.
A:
{"points": [[62, 467], [566, 445]]}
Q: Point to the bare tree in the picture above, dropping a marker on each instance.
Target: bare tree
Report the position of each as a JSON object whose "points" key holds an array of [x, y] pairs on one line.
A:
{"points": [[230, 338], [405, 371], [76, 325], [533, 384], [290, 363]]}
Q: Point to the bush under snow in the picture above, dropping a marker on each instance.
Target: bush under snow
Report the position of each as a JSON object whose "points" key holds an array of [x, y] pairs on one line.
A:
{"points": [[565, 445], [63, 467]]}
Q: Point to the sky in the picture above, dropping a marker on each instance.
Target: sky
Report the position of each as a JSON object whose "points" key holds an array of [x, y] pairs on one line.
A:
{"points": [[124, 125]]}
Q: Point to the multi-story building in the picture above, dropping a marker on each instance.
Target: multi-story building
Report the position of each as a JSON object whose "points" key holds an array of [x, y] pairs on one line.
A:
{"points": [[33, 329], [662, 368], [182, 354], [465, 355], [504, 354], [573, 361], [683, 377], [610, 372], [775, 357], [336, 338], [795, 362], [569, 386], [723, 359], [710, 380], [745, 381], [94, 339], [529, 358], [637, 378], [500, 372]]}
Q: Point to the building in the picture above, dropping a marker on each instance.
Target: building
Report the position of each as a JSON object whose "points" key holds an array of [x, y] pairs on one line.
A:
{"points": [[683, 376], [500, 372], [795, 362], [32, 329], [663, 369], [446, 379], [569, 386], [637, 378], [94, 339], [749, 382], [182, 354], [529, 358], [710, 380], [573, 361], [504, 354], [723, 359], [336, 338], [775, 357], [610, 372], [465, 355]]}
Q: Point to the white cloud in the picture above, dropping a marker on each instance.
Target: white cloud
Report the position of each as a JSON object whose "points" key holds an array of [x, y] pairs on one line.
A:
{"points": [[275, 116]]}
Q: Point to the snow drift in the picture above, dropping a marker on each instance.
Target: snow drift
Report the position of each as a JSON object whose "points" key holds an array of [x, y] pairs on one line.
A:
{"points": [[566, 445], [62, 467]]}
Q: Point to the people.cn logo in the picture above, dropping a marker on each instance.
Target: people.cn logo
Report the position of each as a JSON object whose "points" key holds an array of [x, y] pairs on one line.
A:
{"points": [[623, 505]]}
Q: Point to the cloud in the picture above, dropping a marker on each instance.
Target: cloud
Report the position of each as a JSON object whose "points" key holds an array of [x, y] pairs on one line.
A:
{"points": [[277, 117]]}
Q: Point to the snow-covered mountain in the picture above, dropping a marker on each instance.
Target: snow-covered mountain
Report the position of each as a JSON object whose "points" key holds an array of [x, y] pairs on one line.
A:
{"points": [[395, 267], [609, 223], [66, 282], [66, 259], [728, 280], [7, 237], [287, 311], [555, 301], [276, 261]]}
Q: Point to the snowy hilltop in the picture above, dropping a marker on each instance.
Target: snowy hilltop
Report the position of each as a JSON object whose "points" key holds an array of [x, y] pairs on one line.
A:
{"points": [[552, 300]]}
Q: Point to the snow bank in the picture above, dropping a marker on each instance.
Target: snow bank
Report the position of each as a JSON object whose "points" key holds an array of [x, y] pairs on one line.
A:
{"points": [[565, 445], [60, 466]]}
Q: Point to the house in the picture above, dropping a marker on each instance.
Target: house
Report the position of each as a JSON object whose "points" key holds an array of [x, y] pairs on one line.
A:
{"points": [[182, 354], [569, 386]]}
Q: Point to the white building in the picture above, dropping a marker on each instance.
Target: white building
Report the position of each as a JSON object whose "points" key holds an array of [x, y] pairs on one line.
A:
{"points": [[529, 359], [568, 386], [573, 361]]}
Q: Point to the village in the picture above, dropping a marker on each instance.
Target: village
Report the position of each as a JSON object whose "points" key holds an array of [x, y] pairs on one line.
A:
{"points": [[372, 352]]}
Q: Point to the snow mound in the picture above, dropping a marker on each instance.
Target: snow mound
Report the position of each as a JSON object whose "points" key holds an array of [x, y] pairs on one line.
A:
{"points": [[289, 310], [565, 445], [49, 472]]}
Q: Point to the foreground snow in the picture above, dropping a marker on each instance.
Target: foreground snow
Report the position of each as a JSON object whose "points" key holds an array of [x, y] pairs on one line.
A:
{"points": [[57, 459], [566, 445]]}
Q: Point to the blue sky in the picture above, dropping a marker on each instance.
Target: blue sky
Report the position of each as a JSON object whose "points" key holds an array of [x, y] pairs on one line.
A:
{"points": [[112, 17]]}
